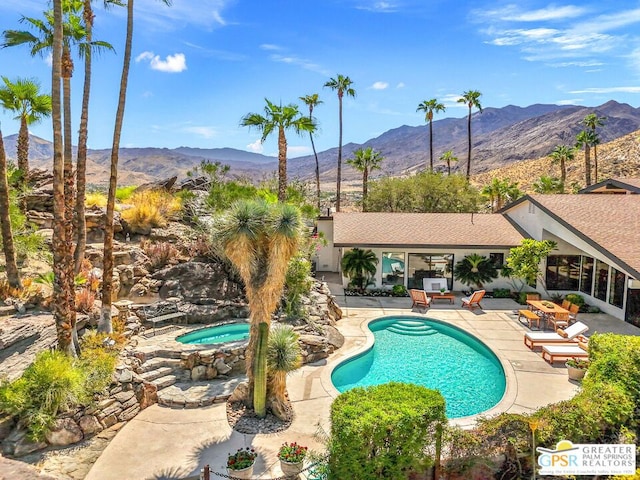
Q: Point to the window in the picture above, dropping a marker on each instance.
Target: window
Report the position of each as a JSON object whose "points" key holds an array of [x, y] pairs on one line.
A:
{"points": [[392, 268], [586, 275], [616, 288], [497, 259], [602, 277], [563, 272], [427, 265]]}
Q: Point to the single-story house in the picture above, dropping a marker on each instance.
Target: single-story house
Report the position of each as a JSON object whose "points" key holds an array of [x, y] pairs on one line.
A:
{"points": [[597, 236]]}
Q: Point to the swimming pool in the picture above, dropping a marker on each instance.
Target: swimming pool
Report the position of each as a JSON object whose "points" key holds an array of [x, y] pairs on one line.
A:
{"points": [[432, 354], [230, 332]]}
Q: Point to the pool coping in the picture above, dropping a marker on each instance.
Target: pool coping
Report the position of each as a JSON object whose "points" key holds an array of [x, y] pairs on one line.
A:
{"points": [[506, 402]]}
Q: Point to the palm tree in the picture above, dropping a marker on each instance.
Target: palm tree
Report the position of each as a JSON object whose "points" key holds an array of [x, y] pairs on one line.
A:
{"points": [[475, 270], [104, 324], [283, 356], [80, 224], [341, 84], [472, 99], [277, 117], [365, 160], [313, 101], [500, 192], [359, 265], [448, 157], [593, 121], [24, 98], [546, 184], [563, 154], [259, 239], [585, 139], [13, 276], [429, 107]]}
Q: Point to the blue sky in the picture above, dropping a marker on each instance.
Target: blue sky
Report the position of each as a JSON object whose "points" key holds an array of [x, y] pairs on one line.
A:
{"points": [[201, 65]]}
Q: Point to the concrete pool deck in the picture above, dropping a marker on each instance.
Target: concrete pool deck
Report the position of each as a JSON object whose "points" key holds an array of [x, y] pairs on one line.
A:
{"points": [[166, 443]]}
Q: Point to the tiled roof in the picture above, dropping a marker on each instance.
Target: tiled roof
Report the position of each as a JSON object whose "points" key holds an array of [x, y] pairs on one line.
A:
{"points": [[614, 185], [634, 182], [423, 230], [610, 221]]}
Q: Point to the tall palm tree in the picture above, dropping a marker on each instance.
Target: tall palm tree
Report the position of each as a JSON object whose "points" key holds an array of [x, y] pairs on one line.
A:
{"points": [[11, 266], [365, 160], [562, 154], [280, 118], [24, 98], [448, 157], [585, 139], [313, 101], [342, 85], [472, 99], [429, 107], [259, 239], [592, 121], [80, 224], [501, 191]]}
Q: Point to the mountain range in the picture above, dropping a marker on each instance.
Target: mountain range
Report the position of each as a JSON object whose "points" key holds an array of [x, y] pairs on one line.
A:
{"points": [[501, 136]]}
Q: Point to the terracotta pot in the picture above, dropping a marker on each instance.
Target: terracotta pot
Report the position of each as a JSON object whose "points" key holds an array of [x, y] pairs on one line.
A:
{"points": [[291, 469], [244, 473], [576, 373]]}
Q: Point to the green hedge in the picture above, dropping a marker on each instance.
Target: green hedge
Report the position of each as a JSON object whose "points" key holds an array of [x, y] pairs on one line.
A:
{"points": [[382, 431]]}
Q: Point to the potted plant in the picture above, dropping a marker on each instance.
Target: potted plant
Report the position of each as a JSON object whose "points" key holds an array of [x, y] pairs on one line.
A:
{"points": [[291, 457], [577, 367], [240, 464]]}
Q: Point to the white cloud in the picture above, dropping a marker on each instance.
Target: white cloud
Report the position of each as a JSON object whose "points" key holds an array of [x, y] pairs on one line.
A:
{"points": [[607, 90], [378, 6], [49, 59], [451, 100], [552, 12], [147, 94], [270, 46], [202, 131], [570, 101], [302, 62], [585, 63], [400, 85], [205, 13], [256, 147], [172, 64], [379, 85]]}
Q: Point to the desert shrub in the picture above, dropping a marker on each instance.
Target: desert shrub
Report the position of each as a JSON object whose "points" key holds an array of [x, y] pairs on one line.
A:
{"points": [[30, 292], [151, 208], [160, 253], [575, 299], [95, 199], [98, 365], [297, 283], [501, 293], [84, 299], [48, 386], [382, 431], [26, 241], [124, 193], [466, 456], [399, 291], [199, 247]]}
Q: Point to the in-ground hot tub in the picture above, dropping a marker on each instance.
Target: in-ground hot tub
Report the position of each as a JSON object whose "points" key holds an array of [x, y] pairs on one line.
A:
{"points": [[230, 332]]}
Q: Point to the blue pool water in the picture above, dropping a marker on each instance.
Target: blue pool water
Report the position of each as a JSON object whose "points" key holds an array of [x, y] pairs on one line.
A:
{"points": [[223, 333], [432, 354]]}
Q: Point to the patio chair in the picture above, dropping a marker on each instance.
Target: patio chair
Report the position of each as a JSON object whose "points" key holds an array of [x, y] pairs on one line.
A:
{"points": [[474, 300], [566, 304], [533, 296], [419, 298], [573, 313], [569, 335], [559, 320], [551, 353]]}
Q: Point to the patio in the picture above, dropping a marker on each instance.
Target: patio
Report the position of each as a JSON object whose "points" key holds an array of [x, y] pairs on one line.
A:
{"points": [[164, 443]]}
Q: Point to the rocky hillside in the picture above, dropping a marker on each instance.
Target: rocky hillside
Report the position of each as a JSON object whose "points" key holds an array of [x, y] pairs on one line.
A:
{"points": [[618, 158]]}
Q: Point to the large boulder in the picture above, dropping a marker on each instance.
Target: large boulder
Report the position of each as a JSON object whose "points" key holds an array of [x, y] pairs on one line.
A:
{"points": [[64, 431]]}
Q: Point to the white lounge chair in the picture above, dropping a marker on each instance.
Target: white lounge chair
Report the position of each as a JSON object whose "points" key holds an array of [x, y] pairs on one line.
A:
{"points": [[536, 339], [551, 353]]}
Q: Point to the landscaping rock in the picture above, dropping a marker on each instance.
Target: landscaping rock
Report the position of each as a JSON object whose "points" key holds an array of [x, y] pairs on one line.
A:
{"points": [[147, 395], [199, 373], [64, 432], [221, 367], [89, 425]]}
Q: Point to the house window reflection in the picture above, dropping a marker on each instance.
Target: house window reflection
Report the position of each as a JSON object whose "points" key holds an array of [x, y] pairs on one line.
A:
{"points": [[393, 268]]}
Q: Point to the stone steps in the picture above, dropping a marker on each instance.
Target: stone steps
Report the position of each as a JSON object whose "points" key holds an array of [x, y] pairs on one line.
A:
{"points": [[151, 375], [198, 394], [158, 362], [164, 382]]}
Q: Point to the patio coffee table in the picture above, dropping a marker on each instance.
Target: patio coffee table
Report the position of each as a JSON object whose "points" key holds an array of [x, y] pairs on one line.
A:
{"points": [[437, 296]]}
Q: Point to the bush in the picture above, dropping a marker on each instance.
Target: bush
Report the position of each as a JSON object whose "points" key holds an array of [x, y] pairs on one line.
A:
{"points": [[399, 291], [575, 299], [382, 431], [125, 193], [297, 283], [84, 300], [501, 293], [160, 253], [151, 208]]}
